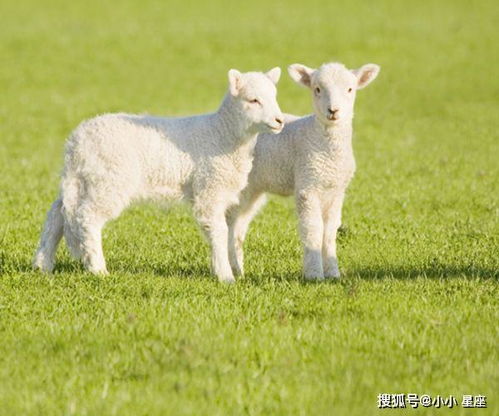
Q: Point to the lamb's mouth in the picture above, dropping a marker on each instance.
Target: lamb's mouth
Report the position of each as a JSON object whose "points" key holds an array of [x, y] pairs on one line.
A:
{"points": [[332, 122], [332, 118], [275, 129]]}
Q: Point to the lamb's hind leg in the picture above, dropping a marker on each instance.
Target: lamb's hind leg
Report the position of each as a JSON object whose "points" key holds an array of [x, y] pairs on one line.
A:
{"points": [[239, 219], [92, 254], [84, 236], [51, 235]]}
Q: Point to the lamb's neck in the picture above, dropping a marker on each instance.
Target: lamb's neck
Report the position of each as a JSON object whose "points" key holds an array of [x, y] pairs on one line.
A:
{"points": [[231, 124], [339, 135]]}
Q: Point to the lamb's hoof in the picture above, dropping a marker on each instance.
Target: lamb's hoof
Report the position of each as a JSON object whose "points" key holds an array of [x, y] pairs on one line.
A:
{"points": [[332, 275], [314, 277], [99, 272], [229, 280], [313, 272], [40, 264]]}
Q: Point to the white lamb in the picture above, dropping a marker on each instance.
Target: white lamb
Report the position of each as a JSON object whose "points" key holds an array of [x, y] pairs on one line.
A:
{"points": [[116, 159], [311, 158]]}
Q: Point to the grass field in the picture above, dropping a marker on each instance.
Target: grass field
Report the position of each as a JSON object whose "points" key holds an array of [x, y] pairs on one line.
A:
{"points": [[417, 308]]}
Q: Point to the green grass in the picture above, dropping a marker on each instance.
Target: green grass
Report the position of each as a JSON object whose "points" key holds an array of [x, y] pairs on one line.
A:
{"points": [[417, 308]]}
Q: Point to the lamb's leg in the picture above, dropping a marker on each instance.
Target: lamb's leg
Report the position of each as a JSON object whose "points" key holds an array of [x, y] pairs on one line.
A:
{"points": [[83, 229], [51, 235], [311, 231], [239, 219], [332, 222], [92, 254], [211, 217]]}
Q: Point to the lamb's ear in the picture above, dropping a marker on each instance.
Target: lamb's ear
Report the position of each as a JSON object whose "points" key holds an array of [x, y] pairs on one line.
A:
{"points": [[235, 81], [301, 74], [274, 74], [365, 74]]}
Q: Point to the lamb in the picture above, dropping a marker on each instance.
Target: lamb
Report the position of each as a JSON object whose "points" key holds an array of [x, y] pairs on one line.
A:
{"points": [[311, 158], [115, 159]]}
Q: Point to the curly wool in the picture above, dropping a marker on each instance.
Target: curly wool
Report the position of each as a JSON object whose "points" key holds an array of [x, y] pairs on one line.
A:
{"points": [[115, 159], [312, 159]]}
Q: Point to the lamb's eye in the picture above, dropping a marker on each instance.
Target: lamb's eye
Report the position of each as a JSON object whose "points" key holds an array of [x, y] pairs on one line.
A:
{"points": [[254, 101], [317, 90], [350, 90]]}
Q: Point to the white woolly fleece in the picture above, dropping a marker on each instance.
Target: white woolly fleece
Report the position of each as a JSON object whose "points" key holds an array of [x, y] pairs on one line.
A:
{"points": [[312, 159], [116, 159]]}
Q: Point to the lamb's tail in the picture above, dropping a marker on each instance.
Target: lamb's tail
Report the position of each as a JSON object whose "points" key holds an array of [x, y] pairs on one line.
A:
{"points": [[51, 235]]}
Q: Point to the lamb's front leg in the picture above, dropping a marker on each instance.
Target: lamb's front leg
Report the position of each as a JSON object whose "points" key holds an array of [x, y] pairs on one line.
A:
{"points": [[235, 245], [311, 231], [332, 221], [211, 217], [236, 255]]}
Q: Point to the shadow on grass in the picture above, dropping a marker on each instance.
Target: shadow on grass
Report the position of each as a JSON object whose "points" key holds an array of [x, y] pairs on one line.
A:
{"points": [[70, 266], [437, 271], [191, 271], [202, 271]]}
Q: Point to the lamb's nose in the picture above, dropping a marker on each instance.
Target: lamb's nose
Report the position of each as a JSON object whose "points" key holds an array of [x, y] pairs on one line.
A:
{"points": [[279, 121], [333, 113]]}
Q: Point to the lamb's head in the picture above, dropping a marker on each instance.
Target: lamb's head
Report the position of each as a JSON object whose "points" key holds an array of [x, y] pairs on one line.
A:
{"points": [[255, 96], [333, 88]]}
